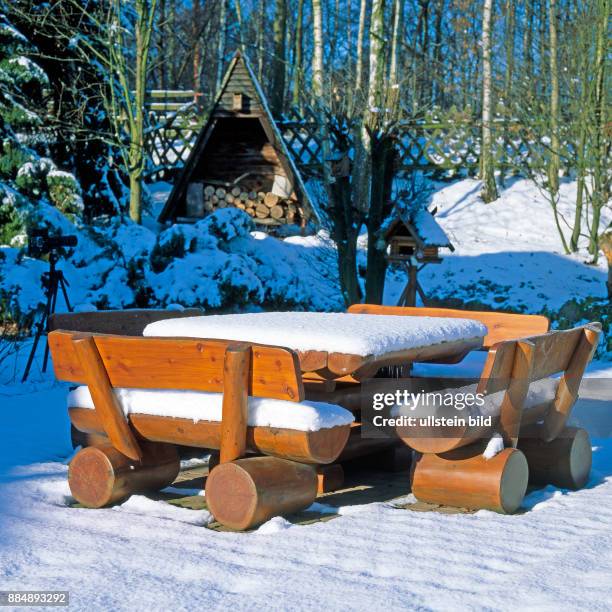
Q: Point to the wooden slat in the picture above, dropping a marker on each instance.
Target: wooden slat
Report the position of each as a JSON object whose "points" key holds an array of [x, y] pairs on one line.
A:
{"points": [[106, 404], [235, 401], [511, 410], [500, 325], [554, 350], [179, 363]]}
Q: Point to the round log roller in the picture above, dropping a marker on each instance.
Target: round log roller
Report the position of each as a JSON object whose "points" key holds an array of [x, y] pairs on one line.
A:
{"points": [[244, 493], [564, 462], [100, 476], [467, 480]]}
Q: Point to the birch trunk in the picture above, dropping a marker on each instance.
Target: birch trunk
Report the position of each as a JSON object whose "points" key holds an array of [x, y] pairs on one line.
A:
{"points": [[359, 67], [221, 45], [553, 169], [489, 189]]}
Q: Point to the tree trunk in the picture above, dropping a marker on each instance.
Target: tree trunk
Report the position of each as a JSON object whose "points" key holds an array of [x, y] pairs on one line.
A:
{"points": [[509, 35], [136, 197], [383, 156], [197, 47], [279, 60], [297, 56], [261, 45], [345, 229], [553, 169], [359, 70], [601, 142], [489, 189], [398, 19], [221, 45], [528, 43]]}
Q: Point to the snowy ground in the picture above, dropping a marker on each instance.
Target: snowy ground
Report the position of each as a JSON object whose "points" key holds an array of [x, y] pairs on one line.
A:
{"points": [[508, 254], [147, 554]]}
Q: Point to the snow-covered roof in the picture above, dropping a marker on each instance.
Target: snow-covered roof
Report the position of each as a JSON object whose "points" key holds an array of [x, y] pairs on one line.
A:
{"points": [[423, 227]]}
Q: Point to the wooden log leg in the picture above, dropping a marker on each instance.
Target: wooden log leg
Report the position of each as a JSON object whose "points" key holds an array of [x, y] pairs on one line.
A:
{"points": [[101, 476], [329, 478], [458, 479], [565, 462], [247, 492]]}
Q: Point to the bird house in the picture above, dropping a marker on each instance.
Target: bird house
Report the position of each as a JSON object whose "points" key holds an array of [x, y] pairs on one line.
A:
{"points": [[416, 237], [413, 239]]}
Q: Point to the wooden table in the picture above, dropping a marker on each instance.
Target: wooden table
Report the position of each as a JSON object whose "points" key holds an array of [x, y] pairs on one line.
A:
{"points": [[339, 346]]}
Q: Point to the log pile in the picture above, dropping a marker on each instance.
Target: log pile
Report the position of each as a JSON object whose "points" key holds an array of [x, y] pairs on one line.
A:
{"points": [[266, 208]]}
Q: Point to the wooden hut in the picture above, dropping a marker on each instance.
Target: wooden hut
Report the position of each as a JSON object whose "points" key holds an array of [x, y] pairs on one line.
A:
{"points": [[240, 159], [413, 240]]}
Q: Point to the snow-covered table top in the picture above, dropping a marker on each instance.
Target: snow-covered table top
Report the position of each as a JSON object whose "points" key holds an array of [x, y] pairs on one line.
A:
{"points": [[354, 334]]}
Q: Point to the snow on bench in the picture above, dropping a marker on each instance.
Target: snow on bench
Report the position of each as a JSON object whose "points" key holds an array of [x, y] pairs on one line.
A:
{"points": [[202, 406], [356, 334]]}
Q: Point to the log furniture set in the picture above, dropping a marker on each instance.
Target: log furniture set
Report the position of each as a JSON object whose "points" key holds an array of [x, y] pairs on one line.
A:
{"points": [[283, 420]]}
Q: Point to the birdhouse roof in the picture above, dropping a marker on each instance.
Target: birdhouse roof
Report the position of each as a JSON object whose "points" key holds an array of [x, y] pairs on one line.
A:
{"points": [[422, 226]]}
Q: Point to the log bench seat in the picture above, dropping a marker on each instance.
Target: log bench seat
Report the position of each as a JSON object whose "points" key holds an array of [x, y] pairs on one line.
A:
{"points": [[308, 432]]}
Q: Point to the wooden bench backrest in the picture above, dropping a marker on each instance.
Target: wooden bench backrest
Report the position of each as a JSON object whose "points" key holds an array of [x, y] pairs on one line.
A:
{"points": [[178, 363], [501, 326], [122, 322], [512, 365]]}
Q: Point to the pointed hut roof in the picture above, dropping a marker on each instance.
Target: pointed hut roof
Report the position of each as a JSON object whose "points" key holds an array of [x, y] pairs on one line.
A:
{"points": [[241, 80]]}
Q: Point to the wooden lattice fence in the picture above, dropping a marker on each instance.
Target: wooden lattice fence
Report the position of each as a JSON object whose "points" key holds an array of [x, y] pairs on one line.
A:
{"points": [[442, 148]]}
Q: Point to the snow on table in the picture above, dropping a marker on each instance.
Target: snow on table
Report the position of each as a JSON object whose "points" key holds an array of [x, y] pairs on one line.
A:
{"points": [[355, 334], [199, 406]]}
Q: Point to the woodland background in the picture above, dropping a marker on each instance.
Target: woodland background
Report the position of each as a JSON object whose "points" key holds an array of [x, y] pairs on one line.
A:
{"points": [[523, 84]]}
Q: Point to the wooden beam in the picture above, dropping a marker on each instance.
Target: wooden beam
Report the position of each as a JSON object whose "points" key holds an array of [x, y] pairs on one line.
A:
{"points": [[514, 399], [236, 370], [106, 404], [567, 391]]}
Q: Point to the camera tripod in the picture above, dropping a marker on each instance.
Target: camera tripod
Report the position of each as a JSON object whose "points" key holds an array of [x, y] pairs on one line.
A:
{"points": [[53, 280]]}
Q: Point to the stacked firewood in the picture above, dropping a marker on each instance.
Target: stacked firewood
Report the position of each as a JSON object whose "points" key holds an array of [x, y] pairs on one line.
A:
{"points": [[264, 207]]}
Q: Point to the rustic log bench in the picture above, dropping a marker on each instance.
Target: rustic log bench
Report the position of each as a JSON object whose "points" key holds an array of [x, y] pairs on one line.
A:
{"points": [[140, 455], [530, 411]]}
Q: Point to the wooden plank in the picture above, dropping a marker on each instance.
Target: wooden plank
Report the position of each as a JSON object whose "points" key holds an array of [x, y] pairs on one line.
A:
{"points": [[107, 406], [179, 363], [314, 447], [567, 391], [554, 350], [500, 325], [511, 410], [235, 401]]}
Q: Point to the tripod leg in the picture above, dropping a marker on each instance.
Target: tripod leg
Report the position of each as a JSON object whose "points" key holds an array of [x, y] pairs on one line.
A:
{"points": [[55, 283], [63, 283], [42, 325]]}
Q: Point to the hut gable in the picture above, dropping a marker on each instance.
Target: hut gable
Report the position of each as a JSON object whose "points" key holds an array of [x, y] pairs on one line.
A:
{"points": [[240, 159]]}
